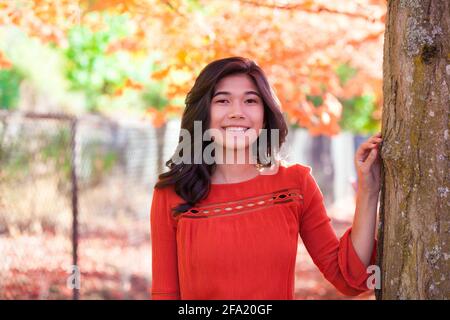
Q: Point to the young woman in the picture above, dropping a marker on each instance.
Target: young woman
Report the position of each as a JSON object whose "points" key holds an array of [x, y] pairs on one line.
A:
{"points": [[229, 229]]}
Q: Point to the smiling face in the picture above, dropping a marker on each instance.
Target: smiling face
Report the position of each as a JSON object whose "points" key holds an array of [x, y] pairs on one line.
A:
{"points": [[237, 112]]}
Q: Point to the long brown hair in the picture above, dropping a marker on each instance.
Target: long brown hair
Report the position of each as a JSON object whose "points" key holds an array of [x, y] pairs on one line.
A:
{"points": [[192, 181]]}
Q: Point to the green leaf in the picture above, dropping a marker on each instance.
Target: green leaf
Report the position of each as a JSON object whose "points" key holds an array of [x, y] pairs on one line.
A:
{"points": [[357, 115], [345, 72], [9, 88]]}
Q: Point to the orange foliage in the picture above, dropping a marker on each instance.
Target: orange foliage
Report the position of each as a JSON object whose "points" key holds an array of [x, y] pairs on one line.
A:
{"points": [[161, 74], [298, 43], [157, 117], [4, 63], [129, 84], [133, 85]]}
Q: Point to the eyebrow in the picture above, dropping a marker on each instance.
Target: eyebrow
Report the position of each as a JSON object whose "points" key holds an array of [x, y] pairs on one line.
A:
{"points": [[229, 93]]}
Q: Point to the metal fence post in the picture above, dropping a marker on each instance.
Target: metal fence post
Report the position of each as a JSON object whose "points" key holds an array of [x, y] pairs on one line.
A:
{"points": [[73, 148]]}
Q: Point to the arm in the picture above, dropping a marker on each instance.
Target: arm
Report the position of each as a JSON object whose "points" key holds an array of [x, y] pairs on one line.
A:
{"points": [[368, 167], [336, 258], [164, 250], [364, 225]]}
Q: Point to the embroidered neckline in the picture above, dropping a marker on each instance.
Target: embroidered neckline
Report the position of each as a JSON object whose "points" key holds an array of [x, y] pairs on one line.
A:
{"points": [[243, 205]]}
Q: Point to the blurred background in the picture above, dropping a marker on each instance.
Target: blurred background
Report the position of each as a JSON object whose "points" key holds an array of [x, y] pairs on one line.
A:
{"points": [[91, 94]]}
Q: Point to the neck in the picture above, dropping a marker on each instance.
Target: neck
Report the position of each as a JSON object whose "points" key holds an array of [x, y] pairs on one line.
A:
{"points": [[234, 171]]}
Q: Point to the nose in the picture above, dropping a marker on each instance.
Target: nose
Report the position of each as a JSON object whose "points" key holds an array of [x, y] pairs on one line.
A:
{"points": [[236, 111]]}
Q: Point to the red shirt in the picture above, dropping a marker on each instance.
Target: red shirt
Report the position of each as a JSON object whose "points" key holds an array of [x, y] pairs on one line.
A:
{"points": [[241, 241]]}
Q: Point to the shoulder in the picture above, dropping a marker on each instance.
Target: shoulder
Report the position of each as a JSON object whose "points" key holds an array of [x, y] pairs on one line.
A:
{"points": [[164, 200], [295, 171], [295, 167], [306, 181], [165, 194], [288, 175]]}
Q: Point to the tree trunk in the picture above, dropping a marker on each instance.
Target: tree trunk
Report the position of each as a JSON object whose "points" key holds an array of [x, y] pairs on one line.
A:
{"points": [[414, 208]]}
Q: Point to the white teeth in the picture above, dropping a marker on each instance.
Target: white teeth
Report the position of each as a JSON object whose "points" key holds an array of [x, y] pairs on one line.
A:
{"points": [[236, 129]]}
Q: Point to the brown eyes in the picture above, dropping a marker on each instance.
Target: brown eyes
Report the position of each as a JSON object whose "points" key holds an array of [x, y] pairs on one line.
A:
{"points": [[250, 100]]}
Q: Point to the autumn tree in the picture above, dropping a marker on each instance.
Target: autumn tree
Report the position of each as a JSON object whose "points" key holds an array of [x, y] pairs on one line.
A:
{"points": [[414, 209], [300, 44], [307, 48]]}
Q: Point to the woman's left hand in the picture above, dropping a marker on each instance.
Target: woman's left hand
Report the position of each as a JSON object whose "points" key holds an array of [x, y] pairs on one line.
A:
{"points": [[368, 165]]}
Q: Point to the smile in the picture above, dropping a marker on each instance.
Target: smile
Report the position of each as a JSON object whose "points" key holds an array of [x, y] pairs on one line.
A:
{"points": [[235, 129]]}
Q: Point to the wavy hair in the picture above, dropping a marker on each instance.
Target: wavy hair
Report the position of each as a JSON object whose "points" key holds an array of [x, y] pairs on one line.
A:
{"points": [[192, 181]]}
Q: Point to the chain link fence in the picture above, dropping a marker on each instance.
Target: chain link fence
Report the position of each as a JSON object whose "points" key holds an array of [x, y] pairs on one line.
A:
{"points": [[75, 197], [74, 207]]}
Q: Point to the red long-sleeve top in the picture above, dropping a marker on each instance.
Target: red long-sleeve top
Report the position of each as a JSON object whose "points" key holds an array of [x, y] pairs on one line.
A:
{"points": [[241, 241]]}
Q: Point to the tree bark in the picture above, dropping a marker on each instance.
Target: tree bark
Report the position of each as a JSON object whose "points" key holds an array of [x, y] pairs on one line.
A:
{"points": [[413, 242]]}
